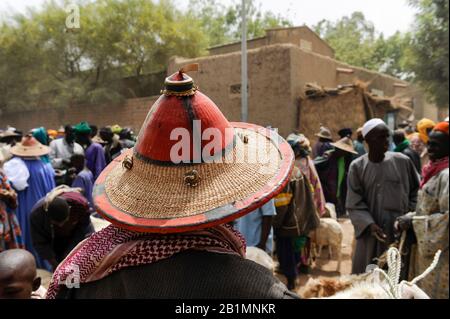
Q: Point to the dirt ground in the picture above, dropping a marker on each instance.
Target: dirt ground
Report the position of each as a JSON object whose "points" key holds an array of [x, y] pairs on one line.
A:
{"points": [[324, 267]]}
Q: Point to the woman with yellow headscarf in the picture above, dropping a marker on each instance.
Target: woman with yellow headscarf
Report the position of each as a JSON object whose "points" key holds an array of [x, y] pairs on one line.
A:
{"points": [[419, 140], [424, 127]]}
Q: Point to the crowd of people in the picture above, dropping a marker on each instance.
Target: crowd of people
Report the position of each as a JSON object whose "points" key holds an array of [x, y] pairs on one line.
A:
{"points": [[400, 187], [47, 183], [386, 184]]}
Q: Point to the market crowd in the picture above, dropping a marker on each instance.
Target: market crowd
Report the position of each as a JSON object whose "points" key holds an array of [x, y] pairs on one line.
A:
{"points": [[388, 183]]}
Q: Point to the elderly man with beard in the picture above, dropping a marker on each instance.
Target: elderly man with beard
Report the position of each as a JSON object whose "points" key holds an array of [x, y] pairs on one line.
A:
{"points": [[382, 186]]}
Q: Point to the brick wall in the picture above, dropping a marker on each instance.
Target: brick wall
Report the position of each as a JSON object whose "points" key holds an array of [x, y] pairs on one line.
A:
{"points": [[132, 113]]}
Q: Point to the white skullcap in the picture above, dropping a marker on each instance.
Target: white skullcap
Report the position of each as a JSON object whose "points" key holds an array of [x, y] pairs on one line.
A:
{"points": [[370, 125]]}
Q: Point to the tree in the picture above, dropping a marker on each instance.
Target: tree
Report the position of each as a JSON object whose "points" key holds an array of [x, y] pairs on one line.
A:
{"points": [[44, 64], [222, 24], [356, 42], [353, 39], [429, 52], [391, 55]]}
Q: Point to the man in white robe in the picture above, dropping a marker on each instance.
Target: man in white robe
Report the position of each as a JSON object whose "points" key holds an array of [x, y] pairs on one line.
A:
{"points": [[382, 186]]}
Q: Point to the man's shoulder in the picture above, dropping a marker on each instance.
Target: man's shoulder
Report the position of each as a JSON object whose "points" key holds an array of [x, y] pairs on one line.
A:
{"points": [[359, 161], [444, 174], [409, 151], [397, 157], [77, 145], [193, 275], [95, 146], [56, 142], [86, 173]]}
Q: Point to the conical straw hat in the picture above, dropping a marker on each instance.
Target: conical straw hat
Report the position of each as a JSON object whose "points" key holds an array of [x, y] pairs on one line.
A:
{"points": [[345, 144], [324, 133], [29, 147], [156, 188]]}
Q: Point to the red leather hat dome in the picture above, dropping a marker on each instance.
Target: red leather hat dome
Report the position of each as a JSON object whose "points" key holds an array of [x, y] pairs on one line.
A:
{"points": [[180, 105]]}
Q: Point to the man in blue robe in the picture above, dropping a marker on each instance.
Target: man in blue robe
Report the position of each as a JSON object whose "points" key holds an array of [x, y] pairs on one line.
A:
{"points": [[31, 189]]}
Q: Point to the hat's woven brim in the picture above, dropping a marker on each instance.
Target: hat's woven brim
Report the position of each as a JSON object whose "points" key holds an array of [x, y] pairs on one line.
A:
{"points": [[344, 147], [8, 134], [154, 198], [30, 151]]}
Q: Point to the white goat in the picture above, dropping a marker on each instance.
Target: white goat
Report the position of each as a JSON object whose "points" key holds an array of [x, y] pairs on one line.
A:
{"points": [[330, 211], [259, 256], [330, 234]]}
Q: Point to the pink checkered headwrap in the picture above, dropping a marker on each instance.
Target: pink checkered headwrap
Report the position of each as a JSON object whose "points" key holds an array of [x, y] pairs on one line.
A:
{"points": [[113, 248]]}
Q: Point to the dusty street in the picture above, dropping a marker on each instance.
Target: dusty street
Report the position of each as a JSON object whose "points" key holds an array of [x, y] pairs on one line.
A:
{"points": [[324, 267]]}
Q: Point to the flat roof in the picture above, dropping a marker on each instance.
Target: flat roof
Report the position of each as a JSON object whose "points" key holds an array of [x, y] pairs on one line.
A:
{"points": [[275, 29], [234, 43]]}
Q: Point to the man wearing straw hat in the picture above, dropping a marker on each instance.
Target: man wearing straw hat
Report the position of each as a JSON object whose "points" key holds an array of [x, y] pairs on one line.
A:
{"points": [[382, 186], [32, 179], [324, 143], [333, 168], [170, 200], [8, 139]]}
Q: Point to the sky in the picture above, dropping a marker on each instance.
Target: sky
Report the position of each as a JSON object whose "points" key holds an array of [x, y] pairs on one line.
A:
{"points": [[388, 16]]}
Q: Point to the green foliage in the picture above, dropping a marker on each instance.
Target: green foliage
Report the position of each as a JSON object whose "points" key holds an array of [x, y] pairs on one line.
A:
{"points": [[421, 55], [392, 55], [429, 51], [44, 64], [356, 42], [222, 24]]}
